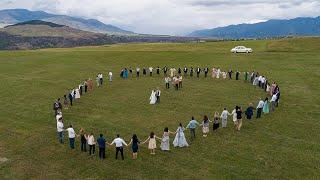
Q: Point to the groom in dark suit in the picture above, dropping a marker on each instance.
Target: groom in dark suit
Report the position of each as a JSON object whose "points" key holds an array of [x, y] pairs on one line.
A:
{"points": [[158, 93]]}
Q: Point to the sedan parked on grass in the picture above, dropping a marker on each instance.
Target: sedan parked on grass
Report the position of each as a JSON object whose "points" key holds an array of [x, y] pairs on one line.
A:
{"points": [[241, 49]]}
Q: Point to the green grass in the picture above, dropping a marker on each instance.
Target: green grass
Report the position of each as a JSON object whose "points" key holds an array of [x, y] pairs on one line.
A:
{"points": [[282, 145]]}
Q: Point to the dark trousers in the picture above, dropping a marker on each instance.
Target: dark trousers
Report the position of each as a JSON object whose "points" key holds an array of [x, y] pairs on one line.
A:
{"points": [[177, 86], [71, 141], [205, 74], [192, 133], [262, 85], [259, 83], [84, 146], [92, 149], [60, 137], [85, 88], [158, 99], [180, 84], [198, 74], [102, 153], [138, 74], [259, 110], [70, 99], [167, 85], [150, 73], [121, 151], [101, 81]]}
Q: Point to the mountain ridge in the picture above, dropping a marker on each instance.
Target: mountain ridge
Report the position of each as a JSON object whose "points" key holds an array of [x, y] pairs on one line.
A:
{"points": [[14, 16], [267, 29]]}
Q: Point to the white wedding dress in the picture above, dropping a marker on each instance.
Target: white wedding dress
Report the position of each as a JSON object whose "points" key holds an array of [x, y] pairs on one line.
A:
{"points": [[153, 98]]}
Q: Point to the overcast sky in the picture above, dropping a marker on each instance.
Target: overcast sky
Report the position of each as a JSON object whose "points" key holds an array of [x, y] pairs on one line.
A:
{"points": [[173, 17]]}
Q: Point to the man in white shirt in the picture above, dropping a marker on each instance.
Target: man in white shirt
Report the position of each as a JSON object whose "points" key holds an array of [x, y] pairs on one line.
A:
{"points": [[101, 79], [167, 80], [110, 76], [259, 80], [150, 70], [60, 129], [71, 135], [224, 117], [138, 71], [119, 142], [263, 81], [259, 108], [273, 102]]}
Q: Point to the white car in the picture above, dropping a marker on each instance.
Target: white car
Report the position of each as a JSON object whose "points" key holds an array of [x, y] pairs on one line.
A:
{"points": [[241, 49]]}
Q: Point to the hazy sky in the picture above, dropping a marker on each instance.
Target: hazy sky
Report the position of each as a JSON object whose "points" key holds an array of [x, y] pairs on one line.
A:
{"points": [[173, 17]]}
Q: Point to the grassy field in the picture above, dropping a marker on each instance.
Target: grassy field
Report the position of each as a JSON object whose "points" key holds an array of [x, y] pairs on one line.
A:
{"points": [[281, 145]]}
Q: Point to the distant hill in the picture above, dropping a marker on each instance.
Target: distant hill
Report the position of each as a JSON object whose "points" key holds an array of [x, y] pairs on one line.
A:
{"points": [[37, 34], [14, 16], [268, 29], [38, 28]]}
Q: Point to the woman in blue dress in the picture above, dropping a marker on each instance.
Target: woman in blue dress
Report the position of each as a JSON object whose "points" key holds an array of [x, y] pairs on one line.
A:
{"points": [[180, 139], [135, 146], [266, 106]]}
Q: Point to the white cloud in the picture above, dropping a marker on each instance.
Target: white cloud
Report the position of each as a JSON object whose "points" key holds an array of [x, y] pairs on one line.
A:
{"points": [[173, 16]]}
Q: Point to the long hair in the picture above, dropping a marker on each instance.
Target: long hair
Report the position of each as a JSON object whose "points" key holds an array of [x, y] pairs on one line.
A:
{"points": [[205, 119], [135, 138], [152, 135], [166, 129]]}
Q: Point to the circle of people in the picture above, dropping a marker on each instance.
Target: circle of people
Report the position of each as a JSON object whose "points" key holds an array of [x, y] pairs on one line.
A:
{"points": [[88, 139]]}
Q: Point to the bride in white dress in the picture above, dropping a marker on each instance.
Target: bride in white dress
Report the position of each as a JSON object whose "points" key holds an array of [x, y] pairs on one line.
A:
{"points": [[153, 97]]}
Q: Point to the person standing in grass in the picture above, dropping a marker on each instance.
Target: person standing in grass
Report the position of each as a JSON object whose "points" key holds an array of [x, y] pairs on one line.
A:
{"points": [[152, 143], [60, 130], [216, 121], [273, 102], [102, 146], [239, 118], [192, 127], [71, 135], [98, 81], [165, 70], [165, 141], [205, 126], [138, 71], [185, 70], [83, 140], [167, 80], [110, 76], [119, 142], [135, 146], [180, 81], [180, 139], [230, 73], [249, 111], [265, 108], [90, 84], [130, 71], [237, 75], [246, 74], [234, 116], [191, 72], [65, 102], [259, 108], [206, 70], [57, 106], [224, 117], [144, 71], [158, 70], [92, 144], [198, 72], [70, 96]]}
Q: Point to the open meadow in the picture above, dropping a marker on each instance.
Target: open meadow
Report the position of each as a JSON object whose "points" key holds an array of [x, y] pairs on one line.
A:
{"points": [[282, 145]]}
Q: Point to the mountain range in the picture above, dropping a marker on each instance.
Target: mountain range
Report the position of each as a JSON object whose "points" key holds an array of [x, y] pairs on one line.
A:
{"points": [[268, 29], [14, 16]]}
